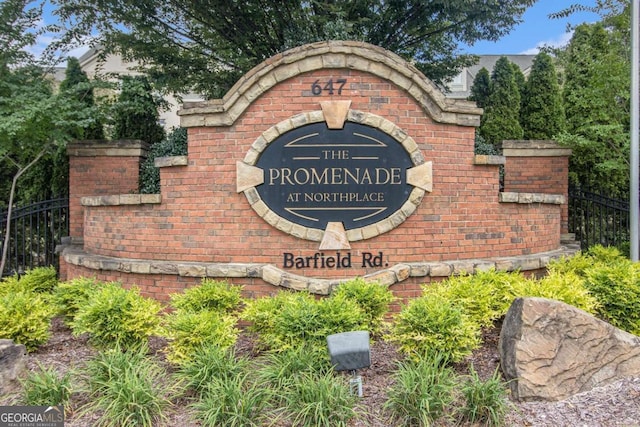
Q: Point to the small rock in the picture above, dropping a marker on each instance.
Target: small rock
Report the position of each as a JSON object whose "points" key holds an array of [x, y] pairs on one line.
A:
{"points": [[550, 350], [12, 362]]}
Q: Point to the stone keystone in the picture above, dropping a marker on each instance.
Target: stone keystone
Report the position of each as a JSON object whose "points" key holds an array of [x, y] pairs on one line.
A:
{"points": [[550, 350]]}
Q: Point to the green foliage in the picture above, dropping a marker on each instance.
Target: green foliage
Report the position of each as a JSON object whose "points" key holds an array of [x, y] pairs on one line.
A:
{"points": [[433, 323], [46, 387], [501, 120], [542, 112], [421, 391], [126, 388], [189, 331], [319, 400], [210, 295], [293, 319], [481, 88], [213, 53], [566, 287], [208, 363], [25, 317], [70, 296], [76, 84], [280, 368], [114, 316], [175, 144], [485, 401], [39, 279], [372, 298], [136, 112], [233, 401]]}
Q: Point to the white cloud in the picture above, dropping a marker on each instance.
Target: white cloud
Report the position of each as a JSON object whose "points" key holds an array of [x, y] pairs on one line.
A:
{"points": [[559, 41]]}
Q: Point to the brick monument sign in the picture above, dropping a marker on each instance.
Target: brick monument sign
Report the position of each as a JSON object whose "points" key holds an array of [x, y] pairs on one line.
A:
{"points": [[329, 161]]}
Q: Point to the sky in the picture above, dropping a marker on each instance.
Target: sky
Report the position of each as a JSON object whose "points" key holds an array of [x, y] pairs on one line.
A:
{"points": [[537, 29]]}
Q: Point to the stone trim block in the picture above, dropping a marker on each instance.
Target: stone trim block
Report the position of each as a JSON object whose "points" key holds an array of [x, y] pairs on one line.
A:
{"points": [[121, 199], [527, 198], [164, 162]]}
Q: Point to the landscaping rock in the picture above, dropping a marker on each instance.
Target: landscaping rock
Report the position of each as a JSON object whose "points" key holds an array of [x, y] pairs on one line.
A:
{"points": [[550, 350], [12, 362]]}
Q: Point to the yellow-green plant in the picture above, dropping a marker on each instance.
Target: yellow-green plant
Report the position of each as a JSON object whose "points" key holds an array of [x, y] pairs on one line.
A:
{"points": [[70, 296], [189, 331], [433, 323], [209, 295], [115, 316], [25, 317], [41, 280], [372, 298]]}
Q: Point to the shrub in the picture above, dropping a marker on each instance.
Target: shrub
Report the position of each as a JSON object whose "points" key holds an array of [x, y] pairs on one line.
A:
{"points": [[421, 391], [114, 316], [209, 295], [280, 368], [617, 289], [567, 287], [432, 323], [372, 298], [290, 320], [485, 401], [175, 144], [233, 401], [319, 400], [70, 296], [25, 317], [39, 280], [206, 364], [189, 331], [46, 387], [128, 388]]}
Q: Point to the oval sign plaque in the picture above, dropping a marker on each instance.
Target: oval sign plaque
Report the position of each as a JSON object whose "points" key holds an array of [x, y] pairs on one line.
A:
{"points": [[314, 175]]}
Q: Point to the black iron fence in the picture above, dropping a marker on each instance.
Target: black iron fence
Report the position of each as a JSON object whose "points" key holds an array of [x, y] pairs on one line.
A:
{"points": [[34, 232], [597, 218]]}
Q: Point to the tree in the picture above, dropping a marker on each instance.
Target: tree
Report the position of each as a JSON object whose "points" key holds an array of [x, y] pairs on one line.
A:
{"points": [[76, 84], [542, 112], [207, 46], [502, 112], [136, 112], [519, 78], [33, 120], [481, 88]]}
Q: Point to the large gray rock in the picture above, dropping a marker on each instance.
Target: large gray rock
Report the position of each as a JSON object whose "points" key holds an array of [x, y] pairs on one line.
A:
{"points": [[550, 350], [11, 362]]}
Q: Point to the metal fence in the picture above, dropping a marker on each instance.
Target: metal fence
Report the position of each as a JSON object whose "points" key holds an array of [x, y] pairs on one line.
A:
{"points": [[34, 232], [597, 218]]}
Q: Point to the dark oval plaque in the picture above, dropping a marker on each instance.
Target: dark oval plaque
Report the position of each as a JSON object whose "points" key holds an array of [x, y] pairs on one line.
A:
{"points": [[313, 175]]}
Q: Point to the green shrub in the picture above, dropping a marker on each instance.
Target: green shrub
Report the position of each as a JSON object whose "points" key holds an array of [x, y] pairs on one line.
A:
{"points": [[25, 318], [209, 295], [319, 400], [70, 296], [233, 401], [567, 287], [421, 391], [41, 280], [289, 320], [433, 323], [114, 316], [485, 401], [127, 388], [189, 331], [279, 368], [206, 364], [46, 387], [372, 298], [617, 289]]}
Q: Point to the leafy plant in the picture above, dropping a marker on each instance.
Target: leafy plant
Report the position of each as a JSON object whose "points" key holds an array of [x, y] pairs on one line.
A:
{"points": [[190, 331], [25, 317], [233, 401], [421, 391], [372, 298], [280, 368], [46, 387], [434, 324], [485, 401], [70, 296], [175, 144], [41, 280], [209, 295], [114, 316], [127, 388], [208, 363], [319, 400]]}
